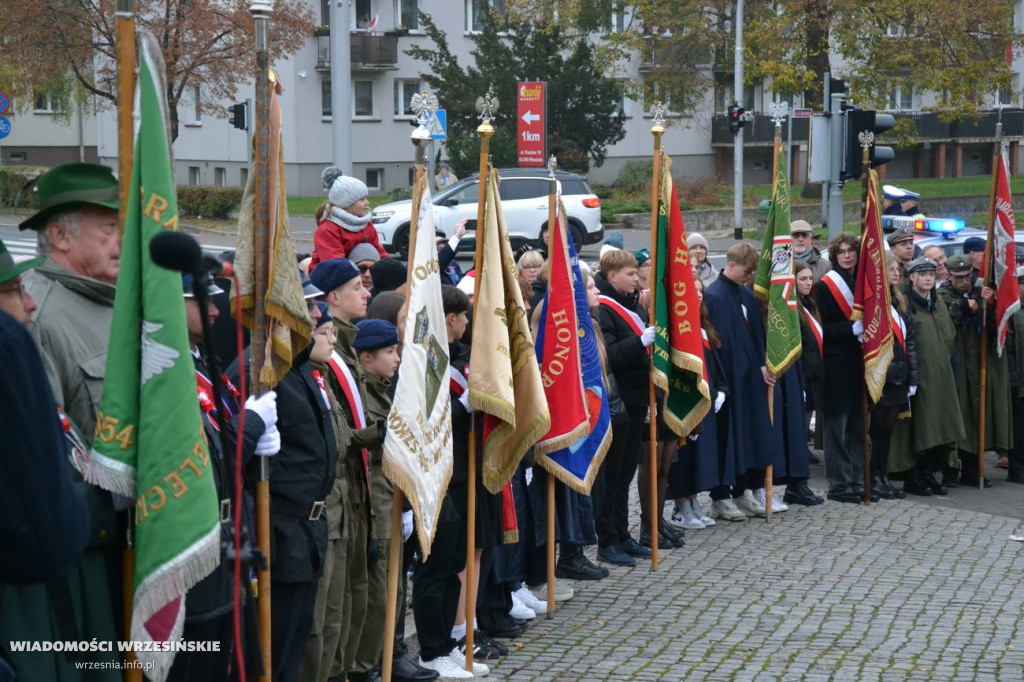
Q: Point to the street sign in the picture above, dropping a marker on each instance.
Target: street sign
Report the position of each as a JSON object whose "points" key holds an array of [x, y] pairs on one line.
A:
{"points": [[5, 127], [803, 113], [533, 121], [438, 125], [5, 103]]}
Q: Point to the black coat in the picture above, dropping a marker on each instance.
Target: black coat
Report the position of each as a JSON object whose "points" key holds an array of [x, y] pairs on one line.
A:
{"points": [[902, 372], [844, 360], [628, 360], [451, 273]]}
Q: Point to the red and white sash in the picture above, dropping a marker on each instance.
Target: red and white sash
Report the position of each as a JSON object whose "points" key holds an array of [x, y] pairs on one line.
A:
{"points": [[323, 388], [816, 329], [899, 328], [840, 292], [350, 389], [628, 316], [459, 385]]}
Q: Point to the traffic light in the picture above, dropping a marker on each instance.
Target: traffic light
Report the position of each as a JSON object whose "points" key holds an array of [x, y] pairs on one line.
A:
{"points": [[736, 120], [237, 116], [857, 122]]}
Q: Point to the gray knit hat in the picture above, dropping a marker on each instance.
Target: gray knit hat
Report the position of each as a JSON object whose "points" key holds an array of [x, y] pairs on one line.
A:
{"points": [[696, 239], [363, 251], [346, 191]]}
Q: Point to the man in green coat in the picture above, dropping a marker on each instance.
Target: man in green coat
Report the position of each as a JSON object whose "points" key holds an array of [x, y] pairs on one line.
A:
{"points": [[970, 305], [78, 233], [1015, 351]]}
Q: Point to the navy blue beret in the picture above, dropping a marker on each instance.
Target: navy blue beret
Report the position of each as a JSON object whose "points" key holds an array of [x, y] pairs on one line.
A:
{"points": [[374, 334], [974, 244], [325, 316], [331, 274]]}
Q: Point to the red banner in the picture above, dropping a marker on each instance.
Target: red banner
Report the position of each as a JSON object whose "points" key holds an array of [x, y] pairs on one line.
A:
{"points": [[871, 301], [1003, 274]]}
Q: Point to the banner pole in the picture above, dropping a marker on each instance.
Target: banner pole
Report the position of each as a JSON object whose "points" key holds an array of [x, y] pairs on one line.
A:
{"points": [[769, 471], [394, 567], [864, 407], [652, 403], [552, 222], [485, 131], [986, 278]]}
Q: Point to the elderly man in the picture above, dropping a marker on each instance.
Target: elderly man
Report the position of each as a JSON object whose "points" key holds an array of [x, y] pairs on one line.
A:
{"points": [[805, 250], [78, 234], [938, 256], [974, 248]]}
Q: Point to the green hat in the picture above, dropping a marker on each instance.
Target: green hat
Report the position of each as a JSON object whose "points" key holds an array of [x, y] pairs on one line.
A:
{"points": [[959, 264], [70, 185], [922, 264], [9, 269], [900, 235], [642, 256]]}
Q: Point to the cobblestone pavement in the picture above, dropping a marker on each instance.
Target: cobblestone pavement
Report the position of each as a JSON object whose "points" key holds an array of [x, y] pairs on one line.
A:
{"points": [[898, 590]]}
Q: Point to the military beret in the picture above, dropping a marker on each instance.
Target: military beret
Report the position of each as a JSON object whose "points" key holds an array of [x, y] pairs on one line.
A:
{"points": [[921, 264], [959, 264], [972, 244], [325, 315], [900, 235], [374, 334], [642, 256], [331, 274]]}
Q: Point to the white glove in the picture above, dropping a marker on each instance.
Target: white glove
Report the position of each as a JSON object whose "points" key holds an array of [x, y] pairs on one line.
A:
{"points": [[529, 475], [912, 391], [693, 437], [860, 338], [406, 525], [647, 338], [464, 401], [265, 407], [858, 328], [719, 400], [269, 443]]}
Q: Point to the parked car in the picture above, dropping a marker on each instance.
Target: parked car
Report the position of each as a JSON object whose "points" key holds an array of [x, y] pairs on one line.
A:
{"points": [[523, 193]]}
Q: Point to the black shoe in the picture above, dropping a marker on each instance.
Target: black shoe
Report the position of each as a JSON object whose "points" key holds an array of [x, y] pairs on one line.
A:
{"points": [[879, 490], [590, 564], [896, 492], [484, 648], [482, 640], [506, 630], [663, 542], [404, 669], [633, 548], [936, 487], [949, 478], [800, 493], [675, 536], [615, 555], [847, 496], [916, 485], [972, 481], [574, 566], [368, 676], [814, 459], [1015, 479]]}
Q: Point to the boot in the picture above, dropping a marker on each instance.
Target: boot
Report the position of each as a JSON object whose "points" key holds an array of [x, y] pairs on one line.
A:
{"points": [[573, 565], [915, 483], [896, 492], [878, 488]]}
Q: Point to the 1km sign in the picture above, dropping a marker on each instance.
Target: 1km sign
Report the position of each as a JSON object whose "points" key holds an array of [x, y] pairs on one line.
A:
{"points": [[533, 123]]}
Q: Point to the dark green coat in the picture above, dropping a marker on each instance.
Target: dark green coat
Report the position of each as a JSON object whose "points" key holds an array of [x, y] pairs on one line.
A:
{"points": [[935, 413], [998, 419]]}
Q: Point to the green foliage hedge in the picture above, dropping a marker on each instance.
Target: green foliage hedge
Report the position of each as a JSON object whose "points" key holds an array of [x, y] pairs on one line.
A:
{"points": [[206, 201], [13, 180]]}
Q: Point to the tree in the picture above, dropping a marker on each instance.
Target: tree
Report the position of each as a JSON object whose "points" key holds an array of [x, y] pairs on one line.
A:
{"points": [[208, 43], [584, 115]]}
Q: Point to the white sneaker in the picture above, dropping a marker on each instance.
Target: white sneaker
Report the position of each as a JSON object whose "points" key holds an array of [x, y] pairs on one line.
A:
{"points": [[750, 505], [727, 509], [562, 591], [520, 610], [691, 522], [700, 514], [479, 669], [446, 668], [777, 504], [525, 596], [677, 519]]}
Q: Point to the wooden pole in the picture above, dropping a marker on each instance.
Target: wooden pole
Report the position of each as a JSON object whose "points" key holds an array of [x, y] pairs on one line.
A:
{"points": [[865, 438], [986, 278], [552, 223], [652, 402], [261, 260], [485, 131], [769, 471], [394, 568]]}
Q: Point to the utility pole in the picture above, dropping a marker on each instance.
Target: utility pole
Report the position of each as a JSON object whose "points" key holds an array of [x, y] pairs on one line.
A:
{"points": [[737, 157], [341, 77], [835, 201]]}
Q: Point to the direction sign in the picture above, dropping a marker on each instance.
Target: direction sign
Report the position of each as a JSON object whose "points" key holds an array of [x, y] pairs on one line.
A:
{"points": [[803, 113], [532, 119], [5, 103], [5, 127], [438, 125]]}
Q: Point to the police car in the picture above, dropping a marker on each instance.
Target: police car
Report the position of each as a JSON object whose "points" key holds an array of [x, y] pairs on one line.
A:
{"points": [[949, 234]]}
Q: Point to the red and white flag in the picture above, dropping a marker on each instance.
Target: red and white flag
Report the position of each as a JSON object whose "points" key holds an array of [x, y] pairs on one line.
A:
{"points": [[1002, 276], [373, 24]]}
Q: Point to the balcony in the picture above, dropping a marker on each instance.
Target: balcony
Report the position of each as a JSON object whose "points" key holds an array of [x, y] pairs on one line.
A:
{"points": [[367, 52]]}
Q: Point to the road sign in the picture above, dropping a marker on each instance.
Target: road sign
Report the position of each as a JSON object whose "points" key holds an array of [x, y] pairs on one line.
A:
{"points": [[5, 127], [532, 118], [5, 103], [438, 125], [803, 113]]}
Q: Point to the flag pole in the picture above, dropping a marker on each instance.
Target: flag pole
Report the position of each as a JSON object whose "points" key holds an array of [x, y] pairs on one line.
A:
{"points": [[424, 106], [487, 106], [124, 12], [261, 11], [997, 155], [552, 190], [657, 113], [769, 471], [867, 138]]}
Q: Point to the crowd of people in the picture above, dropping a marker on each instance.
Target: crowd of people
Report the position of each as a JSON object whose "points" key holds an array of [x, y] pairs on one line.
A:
{"points": [[323, 427]]}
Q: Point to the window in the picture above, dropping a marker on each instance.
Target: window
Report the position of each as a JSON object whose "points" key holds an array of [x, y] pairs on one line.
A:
{"points": [[404, 90], [42, 103], [325, 96], [407, 14], [375, 178], [243, 176], [476, 10], [18, 157], [363, 14], [525, 188], [194, 175], [616, 19], [901, 98], [220, 176], [362, 99], [193, 106], [325, 12]]}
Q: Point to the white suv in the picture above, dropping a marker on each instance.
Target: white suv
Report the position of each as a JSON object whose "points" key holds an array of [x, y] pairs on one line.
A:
{"points": [[524, 199]]}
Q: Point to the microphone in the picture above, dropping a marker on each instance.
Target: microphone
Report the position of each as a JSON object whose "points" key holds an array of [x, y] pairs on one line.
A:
{"points": [[181, 252]]}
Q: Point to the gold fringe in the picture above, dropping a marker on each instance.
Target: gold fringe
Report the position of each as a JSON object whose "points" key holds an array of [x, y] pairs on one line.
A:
{"points": [[542, 447], [885, 355], [561, 474], [786, 363], [496, 476], [400, 477], [502, 409], [510, 537]]}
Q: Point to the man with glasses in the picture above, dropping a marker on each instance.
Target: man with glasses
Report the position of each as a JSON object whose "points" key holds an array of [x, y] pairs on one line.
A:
{"points": [[966, 297], [805, 250], [937, 256], [365, 257]]}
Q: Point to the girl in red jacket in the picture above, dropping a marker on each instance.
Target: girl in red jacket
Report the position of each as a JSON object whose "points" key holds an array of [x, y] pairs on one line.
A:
{"points": [[344, 220]]}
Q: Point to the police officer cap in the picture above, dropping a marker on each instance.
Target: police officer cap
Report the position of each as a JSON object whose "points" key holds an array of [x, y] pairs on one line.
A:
{"points": [[331, 274], [922, 264], [972, 244], [908, 195], [374, 334], [207, 279], [959, 264], [901, 234], [892, 192]]}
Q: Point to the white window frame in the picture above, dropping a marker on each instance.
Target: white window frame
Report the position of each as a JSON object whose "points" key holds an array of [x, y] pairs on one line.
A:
{"points": [[356, 28], [616, 20], [195, 176], [372, 116], [220, 176], [326, 106], [399, 22], [193, 105], [399, 89], [486, 4], [48, 100]]}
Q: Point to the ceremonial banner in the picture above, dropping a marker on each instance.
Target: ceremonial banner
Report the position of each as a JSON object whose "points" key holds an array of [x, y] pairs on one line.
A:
{"points": [[504, 381], [678, 347], [1004, 264], [289, 329], [871, 300], [418, 444], [577, 465], [558, 350], [774, 280], [149, 443]]}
